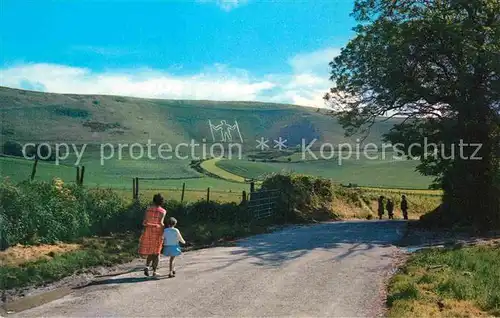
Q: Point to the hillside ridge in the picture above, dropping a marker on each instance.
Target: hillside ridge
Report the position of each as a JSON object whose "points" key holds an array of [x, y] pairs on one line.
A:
{"points": [[85, 118]]}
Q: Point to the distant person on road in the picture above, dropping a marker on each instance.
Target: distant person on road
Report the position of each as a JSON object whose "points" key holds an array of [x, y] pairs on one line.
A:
{"points": [[390, 209], [151, 240], [381, 207], [171, 238], [404, 207]]}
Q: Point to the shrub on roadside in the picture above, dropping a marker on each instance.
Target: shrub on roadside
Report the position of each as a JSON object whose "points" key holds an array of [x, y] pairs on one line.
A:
{"points": [[42, 212], [302, 198], [104, 207]]}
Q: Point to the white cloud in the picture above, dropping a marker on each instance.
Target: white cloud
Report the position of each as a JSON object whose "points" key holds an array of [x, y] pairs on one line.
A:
{"points": [[216, 85], [305, 86], [310, 80], [313, 62], [226, 5]]}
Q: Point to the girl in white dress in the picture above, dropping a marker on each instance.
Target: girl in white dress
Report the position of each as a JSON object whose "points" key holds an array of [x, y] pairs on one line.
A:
{"points": [[171, 238]]}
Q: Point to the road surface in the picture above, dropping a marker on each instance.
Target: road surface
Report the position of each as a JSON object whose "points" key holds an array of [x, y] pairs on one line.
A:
{"points": [[326, 270]]}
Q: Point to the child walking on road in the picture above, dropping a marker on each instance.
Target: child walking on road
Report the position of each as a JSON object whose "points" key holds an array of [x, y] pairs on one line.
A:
{"points": [[171, 238]]}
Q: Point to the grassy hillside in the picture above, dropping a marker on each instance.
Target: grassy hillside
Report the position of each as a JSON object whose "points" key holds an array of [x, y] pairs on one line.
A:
{"points": [[34, 116]]}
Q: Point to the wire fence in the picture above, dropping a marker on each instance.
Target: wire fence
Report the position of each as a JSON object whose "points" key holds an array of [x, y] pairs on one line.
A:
{"points": [[262, 204], [259, 203], [182, 194]]}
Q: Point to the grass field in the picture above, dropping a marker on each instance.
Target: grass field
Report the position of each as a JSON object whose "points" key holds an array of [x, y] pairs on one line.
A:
{"points": [[119, 173], [398, 174], [190, 195], [448, 283]]}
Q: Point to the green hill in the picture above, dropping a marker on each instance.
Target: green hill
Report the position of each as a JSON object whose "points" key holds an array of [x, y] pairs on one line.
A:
{"points": [[35, 116]]}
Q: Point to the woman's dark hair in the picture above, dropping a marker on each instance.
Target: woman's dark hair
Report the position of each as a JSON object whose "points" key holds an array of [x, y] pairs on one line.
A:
{"points": [[158, 199], [171, 222]]}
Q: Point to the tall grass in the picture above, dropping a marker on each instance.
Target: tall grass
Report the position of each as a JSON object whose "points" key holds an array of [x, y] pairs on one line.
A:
{"points": [[363, 203], [460, 281]]}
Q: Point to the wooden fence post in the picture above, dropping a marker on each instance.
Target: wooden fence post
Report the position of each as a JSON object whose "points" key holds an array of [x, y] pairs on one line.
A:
{"points": [[134, 188], [33, 171], [82, 174], [77, 175], [137, 187], [244, 197], [208, 194], [252, 187], [183, 189]]}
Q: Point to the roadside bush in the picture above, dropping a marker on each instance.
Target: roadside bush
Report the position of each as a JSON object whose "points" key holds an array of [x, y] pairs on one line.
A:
{"points": [[203, 211], [42, 212], [104, 208], [302, 198], [131, 217]]}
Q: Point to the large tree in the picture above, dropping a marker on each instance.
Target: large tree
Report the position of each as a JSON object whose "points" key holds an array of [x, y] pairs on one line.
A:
{"points": [[437, 63]]}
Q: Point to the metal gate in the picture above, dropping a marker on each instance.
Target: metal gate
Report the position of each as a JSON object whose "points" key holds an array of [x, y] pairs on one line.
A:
{"points": [[262, 203]]}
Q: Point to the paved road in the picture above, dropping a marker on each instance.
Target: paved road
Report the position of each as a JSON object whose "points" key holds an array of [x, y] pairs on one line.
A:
{"points": [[327, 270]]}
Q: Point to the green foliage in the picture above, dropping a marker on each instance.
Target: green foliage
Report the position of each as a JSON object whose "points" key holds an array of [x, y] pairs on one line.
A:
{"points": [[42, 213], [302, 198], [104, 208], [71, 112], [448, 88], [12, 148]]}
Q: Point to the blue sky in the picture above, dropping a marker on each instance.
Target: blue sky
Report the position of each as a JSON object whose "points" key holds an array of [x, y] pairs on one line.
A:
{"points": [[274, 51]]}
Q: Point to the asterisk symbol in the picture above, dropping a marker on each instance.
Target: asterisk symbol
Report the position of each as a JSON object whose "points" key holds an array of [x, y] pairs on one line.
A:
{"points": [[280, 143], [262, 143]]}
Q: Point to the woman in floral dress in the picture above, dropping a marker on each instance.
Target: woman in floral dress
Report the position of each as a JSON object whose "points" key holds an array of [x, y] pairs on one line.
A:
{"points": [[151, 241]]}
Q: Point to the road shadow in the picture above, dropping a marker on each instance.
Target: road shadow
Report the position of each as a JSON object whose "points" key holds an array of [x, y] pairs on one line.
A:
{"points": [[131, 270], [124, 280], [341, 239], [418, 238], [353, 236]]}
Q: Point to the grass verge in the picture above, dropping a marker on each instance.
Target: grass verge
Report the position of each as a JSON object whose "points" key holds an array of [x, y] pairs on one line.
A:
{"points": [[460, 282], [109, 251], [93, 252]]}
